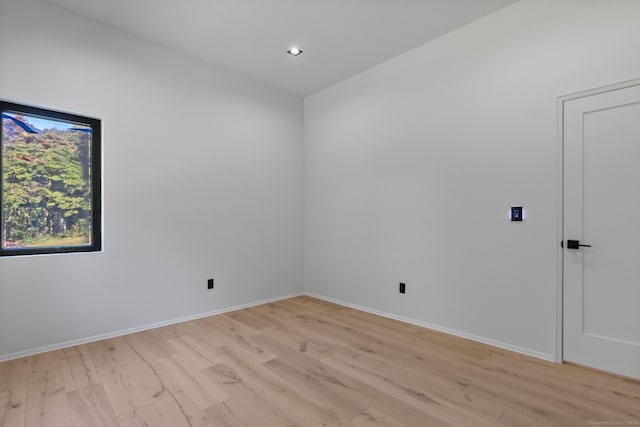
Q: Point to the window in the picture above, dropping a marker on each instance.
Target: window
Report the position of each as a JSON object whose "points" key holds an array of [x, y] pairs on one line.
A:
{"points": [[50, 181]]}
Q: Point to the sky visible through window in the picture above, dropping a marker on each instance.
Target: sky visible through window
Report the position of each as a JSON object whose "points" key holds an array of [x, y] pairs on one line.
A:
{"points": [[44, 124]]}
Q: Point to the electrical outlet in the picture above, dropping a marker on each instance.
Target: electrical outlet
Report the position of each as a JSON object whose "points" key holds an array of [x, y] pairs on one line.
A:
{"points": [[210, 284], [402, 288]]}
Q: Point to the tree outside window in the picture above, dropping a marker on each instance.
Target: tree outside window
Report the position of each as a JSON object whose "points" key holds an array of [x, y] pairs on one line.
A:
{"points": [[50, 186]]}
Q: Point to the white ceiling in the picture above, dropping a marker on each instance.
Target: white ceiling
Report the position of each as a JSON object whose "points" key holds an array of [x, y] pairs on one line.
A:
{"points": [[339, 37]]}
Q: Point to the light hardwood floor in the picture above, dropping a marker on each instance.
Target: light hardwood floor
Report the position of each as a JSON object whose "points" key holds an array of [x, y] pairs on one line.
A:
{"points": [[304, 362]]}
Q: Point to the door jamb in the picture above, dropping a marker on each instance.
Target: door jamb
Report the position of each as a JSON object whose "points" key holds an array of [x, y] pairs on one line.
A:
{"points": [[560, 202]]}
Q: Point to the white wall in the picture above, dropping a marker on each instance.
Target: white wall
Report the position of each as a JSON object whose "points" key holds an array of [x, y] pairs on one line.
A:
{"points": [[411, 168], [202, 178]]}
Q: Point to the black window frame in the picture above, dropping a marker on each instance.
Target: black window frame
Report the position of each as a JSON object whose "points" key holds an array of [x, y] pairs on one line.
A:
{"points": [[95, 125]]}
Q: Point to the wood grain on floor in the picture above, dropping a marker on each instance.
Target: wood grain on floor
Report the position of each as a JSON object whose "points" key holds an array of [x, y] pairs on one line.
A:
{"points": [[304, 362]]}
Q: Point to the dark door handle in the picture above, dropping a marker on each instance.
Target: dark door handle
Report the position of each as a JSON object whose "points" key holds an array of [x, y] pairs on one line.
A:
{"points": [[575, 244]]}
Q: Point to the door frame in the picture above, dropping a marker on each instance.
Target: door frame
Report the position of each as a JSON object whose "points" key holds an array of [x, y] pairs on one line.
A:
{"points": [[559, 356]]}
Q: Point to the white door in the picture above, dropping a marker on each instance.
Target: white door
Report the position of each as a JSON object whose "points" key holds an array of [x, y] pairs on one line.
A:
{"points": [[602, 209]]}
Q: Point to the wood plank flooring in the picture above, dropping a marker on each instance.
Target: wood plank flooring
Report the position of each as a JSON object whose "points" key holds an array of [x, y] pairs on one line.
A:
{"points": [[304, 362]]}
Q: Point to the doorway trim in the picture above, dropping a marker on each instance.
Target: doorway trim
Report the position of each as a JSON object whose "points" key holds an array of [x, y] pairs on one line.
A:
{"points": [[559, 356]]}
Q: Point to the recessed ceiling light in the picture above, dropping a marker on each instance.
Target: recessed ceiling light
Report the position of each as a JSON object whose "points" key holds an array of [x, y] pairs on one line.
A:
{"points": [[294, 51]]}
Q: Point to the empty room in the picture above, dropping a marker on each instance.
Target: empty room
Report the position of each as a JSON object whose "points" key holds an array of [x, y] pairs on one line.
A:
{"points": [[319, 213]]}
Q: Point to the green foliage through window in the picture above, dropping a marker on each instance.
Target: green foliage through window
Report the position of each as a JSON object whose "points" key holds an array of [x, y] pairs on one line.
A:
{"points": [[50, 181]]}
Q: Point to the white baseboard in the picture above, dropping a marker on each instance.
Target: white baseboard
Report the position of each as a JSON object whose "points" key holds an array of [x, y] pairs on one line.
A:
{"points": [[51, 347], [472, 337], [58, 346]]}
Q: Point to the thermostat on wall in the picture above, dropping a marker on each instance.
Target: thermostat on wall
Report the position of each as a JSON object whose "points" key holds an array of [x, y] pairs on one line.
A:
{"points": [[517, 213]]}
